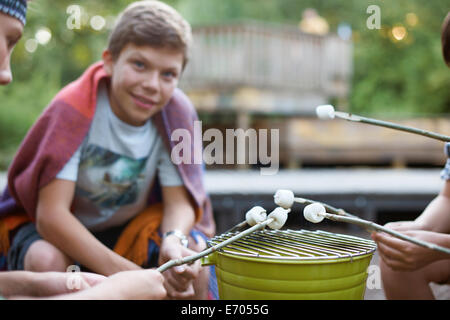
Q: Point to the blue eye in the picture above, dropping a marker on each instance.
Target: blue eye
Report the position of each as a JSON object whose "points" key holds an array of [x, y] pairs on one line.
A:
{"points": [[169, 74], [138, 64]]}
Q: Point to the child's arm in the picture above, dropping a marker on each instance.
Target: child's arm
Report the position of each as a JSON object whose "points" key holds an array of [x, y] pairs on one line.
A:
{"points": [[16, 283], [178, 211], [60, 227], [431, 226], [43, 284], [436, 217], [129, 285], [178, 215]]}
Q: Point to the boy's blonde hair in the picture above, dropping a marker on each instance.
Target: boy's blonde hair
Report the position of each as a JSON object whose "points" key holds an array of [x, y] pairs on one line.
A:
{"points": [[151, 23]]}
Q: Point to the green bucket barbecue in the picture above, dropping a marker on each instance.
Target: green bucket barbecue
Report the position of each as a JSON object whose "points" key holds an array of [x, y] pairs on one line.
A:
{"points": [[291, 264]]}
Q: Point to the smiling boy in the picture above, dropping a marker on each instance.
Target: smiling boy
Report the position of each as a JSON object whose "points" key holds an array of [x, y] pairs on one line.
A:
{"points": [[94, 173], [142, 81]]}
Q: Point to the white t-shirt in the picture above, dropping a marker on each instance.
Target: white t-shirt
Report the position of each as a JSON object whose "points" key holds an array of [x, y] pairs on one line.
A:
{"points": [[114, 168]]}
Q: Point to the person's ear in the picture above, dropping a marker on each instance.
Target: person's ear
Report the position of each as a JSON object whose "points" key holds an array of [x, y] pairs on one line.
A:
{"points": [[108, 61]]}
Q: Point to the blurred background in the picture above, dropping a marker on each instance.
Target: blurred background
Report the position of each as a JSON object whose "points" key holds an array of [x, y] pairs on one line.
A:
{"points": [[268, 64]]}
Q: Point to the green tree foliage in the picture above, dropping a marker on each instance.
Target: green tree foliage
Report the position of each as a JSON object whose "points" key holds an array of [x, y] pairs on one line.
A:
{"points": [[390, 77]]}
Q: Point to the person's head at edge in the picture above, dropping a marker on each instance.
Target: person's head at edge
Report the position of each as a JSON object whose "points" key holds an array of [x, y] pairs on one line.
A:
{"points": [[445, 37], [12, 21]]}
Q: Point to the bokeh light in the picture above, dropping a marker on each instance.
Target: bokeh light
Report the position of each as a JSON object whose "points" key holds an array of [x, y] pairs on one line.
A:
{"points": [[98, 23], [399, 33], [43, 36], [412, 19], [31, 45]]}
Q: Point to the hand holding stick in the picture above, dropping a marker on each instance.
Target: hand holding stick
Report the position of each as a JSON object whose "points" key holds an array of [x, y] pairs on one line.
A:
{"points": [[275, 220]]}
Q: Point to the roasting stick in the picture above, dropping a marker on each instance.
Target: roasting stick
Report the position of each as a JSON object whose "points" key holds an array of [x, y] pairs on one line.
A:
{"points": [[190, 259], [254, 215], [286, 198], [327, 112], [275, 220], [237, 227], [316, 212]]}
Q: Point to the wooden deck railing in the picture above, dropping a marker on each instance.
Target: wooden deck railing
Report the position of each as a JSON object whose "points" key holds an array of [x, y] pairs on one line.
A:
{"points": [[268, 57]]}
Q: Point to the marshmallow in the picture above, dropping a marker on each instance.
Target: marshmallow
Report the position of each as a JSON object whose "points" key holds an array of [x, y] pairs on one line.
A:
{"points": [[325, 112], [279, 216], [255, 215], [314, 212], [284, 198]]}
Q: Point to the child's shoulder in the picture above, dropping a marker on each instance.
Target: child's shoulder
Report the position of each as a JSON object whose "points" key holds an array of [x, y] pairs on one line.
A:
{"points": [[181, 102]]}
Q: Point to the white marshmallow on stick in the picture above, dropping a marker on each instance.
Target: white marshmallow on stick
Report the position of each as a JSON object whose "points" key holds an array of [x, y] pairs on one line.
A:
{"points": [[314, 212], [284, 198], [255, 215], [325, 112], [279, 216]]}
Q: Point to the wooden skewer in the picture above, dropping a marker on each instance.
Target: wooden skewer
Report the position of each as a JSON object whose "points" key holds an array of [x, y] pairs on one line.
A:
{"points": [[337, 215], [340, 212], [386, 124], [237, 227], [195, 257], [371, 226], [327, 112]]}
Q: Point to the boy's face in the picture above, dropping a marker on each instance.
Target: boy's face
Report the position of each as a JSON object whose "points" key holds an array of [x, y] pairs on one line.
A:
{"points": [[143, 79], [10, 32]]}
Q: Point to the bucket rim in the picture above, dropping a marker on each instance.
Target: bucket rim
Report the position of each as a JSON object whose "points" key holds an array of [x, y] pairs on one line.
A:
{"points": [[324, 255], [293, 260]]}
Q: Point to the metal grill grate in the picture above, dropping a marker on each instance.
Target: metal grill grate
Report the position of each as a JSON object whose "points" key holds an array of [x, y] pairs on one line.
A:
{"points": [[296, 244]]}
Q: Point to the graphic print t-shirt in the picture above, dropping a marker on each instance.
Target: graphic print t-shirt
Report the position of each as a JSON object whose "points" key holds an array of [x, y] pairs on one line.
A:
{"points": [[114, 169]]}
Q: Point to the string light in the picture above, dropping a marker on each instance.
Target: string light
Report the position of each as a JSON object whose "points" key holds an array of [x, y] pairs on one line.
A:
{"points": [[399, 33]]}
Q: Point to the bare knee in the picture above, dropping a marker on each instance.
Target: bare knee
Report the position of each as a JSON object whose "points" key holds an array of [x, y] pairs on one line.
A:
{"points": [[43, 256], [405, 285]]}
